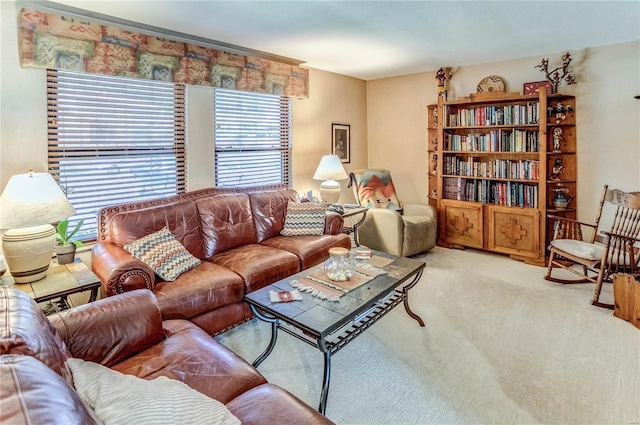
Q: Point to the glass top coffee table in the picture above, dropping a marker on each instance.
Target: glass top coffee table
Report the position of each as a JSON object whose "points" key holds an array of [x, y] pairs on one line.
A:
{"points": [[329, 325]]}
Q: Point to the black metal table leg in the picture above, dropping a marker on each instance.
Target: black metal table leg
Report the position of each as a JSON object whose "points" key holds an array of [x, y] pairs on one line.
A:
{"points": [[327, 375], [405, 298], [274, 335]]}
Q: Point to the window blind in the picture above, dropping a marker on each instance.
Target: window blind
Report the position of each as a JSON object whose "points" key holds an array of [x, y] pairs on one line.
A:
{"points": [[252, 137], [114, 140]]}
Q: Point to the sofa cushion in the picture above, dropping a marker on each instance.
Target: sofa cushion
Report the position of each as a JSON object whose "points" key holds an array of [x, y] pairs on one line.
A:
{"points": [[269, 209], [117, 398], [259, 265], [311, 250], [181, 218], [190, 355], [163, 253], [31, 393], [304, 218], [226, 222], [24, 329], [206, 287]]}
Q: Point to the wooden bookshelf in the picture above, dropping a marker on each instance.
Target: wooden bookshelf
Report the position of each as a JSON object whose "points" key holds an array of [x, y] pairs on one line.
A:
{"points": [[491, 170]]}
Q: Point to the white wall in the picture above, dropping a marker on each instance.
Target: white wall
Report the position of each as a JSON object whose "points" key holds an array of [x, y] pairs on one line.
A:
{"points": [[608, 124]]}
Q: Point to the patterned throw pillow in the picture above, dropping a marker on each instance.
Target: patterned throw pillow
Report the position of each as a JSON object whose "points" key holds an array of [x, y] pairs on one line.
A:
{"points": [[304, 218], [163, 253]]}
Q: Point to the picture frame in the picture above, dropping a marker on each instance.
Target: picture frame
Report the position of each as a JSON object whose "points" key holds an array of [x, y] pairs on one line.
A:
{"points": [[534, 87], [341, 141]]}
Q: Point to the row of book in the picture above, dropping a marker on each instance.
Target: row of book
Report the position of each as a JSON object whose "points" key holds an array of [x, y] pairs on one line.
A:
{"points": [[494, 141], [492, 115], [491, 192], [499, 168]]}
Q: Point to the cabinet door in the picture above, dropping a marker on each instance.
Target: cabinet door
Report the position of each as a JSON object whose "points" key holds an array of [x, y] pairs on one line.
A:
{"points": [[461, 223], [514, 231]]}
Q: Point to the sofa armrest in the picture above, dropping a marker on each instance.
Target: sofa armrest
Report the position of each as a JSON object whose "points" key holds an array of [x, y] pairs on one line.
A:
{"points": [[420, 209], [119, 271], [333, 223], [112, 329]]}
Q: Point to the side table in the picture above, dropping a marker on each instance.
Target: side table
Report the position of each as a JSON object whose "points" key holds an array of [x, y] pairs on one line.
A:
{"points": [[60, 282], [350, 212]]}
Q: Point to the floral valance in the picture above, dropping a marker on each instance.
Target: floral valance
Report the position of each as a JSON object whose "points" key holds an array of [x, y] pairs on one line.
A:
{"points": [[69, 43]]}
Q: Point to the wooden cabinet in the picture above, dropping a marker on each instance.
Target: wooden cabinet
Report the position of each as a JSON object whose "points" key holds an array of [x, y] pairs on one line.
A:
{"points": [[498, 164]]}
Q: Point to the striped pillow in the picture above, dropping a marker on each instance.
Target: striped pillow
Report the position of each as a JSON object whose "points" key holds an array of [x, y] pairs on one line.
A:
{"points": [[304, 218], [117, 398], [163, 253]]}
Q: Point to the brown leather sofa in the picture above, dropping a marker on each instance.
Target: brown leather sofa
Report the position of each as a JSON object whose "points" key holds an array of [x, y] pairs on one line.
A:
{"points": [[125, 333], [236, 232]]}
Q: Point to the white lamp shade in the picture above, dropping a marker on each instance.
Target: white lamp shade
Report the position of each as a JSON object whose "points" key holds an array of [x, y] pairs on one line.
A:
{"points": [[32, 199], [330, 168]]}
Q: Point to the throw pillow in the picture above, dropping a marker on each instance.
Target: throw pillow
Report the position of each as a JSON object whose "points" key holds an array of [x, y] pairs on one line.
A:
{"points": [[163, 253], [304, 218], [118, 398]]}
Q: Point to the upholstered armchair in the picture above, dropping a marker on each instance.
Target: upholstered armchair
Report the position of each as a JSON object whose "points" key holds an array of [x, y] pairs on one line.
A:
{"points": [[391, 226]]}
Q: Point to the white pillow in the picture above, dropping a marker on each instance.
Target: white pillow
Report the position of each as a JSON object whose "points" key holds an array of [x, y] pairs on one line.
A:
{"points": [[121, 399]]}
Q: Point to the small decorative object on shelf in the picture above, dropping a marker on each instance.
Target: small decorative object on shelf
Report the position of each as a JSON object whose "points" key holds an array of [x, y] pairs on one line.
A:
{"points": [[559, 110], [562, 199], [535, 87], [492, 83], [557, 169], [442, 75], [554, 76], [557, 138]]}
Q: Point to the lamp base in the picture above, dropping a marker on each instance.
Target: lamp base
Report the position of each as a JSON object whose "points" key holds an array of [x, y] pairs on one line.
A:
{"points": [[28, 252], [330, 191]]}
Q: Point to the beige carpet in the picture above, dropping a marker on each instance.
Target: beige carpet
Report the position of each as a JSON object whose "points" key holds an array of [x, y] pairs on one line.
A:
{"points": [[501, 346]]}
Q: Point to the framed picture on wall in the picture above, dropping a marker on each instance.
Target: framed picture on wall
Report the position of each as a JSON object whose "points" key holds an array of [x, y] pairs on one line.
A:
{"points": [[341, 141]]}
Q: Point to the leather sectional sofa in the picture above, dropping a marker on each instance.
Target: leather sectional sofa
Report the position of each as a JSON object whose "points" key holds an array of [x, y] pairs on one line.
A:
{"points": [[236, 234], [126, 334]]}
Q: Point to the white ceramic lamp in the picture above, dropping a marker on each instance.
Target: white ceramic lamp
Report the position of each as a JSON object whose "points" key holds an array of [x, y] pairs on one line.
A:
{"points": [[28, 205], [329, 170]]}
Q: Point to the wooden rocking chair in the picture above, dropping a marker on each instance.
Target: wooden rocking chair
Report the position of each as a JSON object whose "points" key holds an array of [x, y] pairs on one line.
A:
{"points": [[607, 252]]}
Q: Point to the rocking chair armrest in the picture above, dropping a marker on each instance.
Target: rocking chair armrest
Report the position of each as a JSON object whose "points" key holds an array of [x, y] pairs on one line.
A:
{"points": [[557, 217], [629, 239]]}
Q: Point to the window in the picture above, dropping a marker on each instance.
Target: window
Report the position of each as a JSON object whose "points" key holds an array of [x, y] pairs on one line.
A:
{"points": [[252, 137], [114, 140]]}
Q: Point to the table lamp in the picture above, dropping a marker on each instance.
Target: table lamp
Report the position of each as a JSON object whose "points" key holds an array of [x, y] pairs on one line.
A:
{"points": [[28, 205], [330, 169]]}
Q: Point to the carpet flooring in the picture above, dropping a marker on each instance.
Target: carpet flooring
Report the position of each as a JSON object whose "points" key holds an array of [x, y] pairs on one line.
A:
{"points": [[501, 346]]}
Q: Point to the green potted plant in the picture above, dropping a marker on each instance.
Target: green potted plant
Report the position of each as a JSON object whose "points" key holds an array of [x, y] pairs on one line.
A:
{"points": [[66, 245]]}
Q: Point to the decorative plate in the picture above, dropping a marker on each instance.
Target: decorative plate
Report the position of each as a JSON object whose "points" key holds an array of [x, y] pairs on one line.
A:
{"points": [[492, 83]]}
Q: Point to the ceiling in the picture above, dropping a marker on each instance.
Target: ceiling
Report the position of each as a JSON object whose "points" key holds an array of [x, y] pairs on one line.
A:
{"points": [[377, 39]]}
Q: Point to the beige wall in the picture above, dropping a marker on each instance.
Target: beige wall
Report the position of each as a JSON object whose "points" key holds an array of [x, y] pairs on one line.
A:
{"points": [[608, 126], [387, 118], [333, 98]]}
